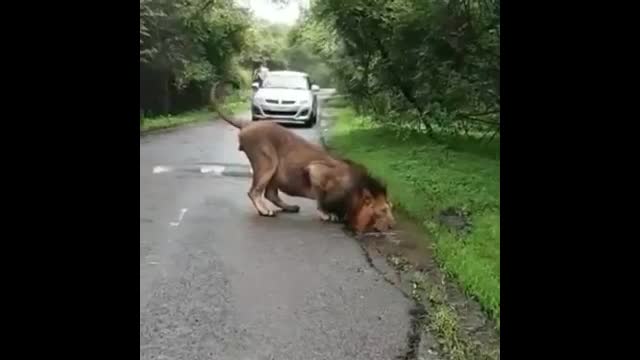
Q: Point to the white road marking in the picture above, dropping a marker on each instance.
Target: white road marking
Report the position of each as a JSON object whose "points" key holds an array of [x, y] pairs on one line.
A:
{"points": [[177, 223], [161, 169], [182, 212], [216, 169]]}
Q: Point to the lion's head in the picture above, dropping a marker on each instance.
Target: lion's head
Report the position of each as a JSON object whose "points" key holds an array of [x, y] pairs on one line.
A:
{"points": [[370, 209], [375, 213], [352, 195]]}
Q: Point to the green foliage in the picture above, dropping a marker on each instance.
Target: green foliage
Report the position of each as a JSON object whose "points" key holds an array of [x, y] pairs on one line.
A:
{"points": [[185, 45], [170, 121], [304, 54], [413, 64], [274, 45], [266, 42]]}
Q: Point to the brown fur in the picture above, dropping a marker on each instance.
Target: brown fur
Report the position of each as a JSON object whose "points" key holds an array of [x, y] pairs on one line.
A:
{"points": [[352, 195], [283, 161]]}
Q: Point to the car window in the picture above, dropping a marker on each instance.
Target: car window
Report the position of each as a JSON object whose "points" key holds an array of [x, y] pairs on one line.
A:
{"points": [[286, 82]]}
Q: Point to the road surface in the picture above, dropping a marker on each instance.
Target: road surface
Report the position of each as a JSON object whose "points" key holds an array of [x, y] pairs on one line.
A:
{"points": [[219, 282]]}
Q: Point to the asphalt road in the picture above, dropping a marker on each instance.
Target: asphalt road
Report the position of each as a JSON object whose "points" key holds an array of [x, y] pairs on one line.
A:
{"points": [[219, 282]]}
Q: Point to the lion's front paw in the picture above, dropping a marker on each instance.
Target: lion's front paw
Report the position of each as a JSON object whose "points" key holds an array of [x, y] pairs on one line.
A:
{"points": [[328, 217], [267, 213]]}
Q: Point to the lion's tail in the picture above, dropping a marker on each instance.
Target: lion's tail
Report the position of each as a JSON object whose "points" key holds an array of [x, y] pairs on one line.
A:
{"points": [[237, 123], [216, 97]]}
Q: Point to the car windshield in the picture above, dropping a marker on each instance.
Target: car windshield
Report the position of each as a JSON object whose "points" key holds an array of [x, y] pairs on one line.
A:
{"points": [[285, 82]]}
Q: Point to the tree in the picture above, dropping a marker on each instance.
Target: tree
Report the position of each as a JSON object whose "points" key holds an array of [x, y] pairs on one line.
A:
{"points": [[413, 63], [184, 46]]}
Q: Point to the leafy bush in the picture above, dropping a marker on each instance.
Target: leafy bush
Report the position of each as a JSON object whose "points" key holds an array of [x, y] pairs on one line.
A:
{"points": [[185, 45]]}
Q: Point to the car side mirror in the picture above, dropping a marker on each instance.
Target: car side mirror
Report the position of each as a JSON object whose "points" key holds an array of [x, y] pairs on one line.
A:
{"points": [[255, 86], [315, 87]]}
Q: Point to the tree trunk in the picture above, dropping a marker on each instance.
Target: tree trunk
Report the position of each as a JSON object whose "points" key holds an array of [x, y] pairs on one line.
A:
{"points": [[165, 96]]}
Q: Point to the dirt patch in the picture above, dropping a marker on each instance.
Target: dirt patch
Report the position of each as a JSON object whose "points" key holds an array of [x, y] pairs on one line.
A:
{"points": [[452, 324], [405, 248]]}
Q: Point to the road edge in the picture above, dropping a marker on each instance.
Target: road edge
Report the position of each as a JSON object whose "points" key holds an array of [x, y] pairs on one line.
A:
{"points": [[436, 297], [418, 336]]}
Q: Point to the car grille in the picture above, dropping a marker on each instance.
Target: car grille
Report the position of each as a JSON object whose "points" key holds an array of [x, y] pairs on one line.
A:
{"points": [[279, 113], [284, 102]]}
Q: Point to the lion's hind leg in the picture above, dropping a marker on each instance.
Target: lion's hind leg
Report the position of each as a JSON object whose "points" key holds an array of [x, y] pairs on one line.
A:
{"points": [[272, 195], [264, 165]]}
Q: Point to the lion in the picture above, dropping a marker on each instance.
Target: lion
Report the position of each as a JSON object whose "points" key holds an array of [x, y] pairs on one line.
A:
{"points": [[283, 161]]}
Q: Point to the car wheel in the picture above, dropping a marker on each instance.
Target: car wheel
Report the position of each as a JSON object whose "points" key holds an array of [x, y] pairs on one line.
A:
{"points": [[311, 122]]}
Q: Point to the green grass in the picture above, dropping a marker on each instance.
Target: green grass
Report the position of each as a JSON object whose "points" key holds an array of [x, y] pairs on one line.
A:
{"points": [[235, 103], [169, 121], [425, 176], [443, 320]]}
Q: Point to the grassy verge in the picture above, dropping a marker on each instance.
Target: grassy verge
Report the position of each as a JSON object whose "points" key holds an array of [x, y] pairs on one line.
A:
{"points": [[235, 103], [425, 177]]}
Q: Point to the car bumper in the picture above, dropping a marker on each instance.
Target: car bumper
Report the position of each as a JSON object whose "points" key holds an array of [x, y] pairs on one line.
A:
{"points": [[282, 113]]}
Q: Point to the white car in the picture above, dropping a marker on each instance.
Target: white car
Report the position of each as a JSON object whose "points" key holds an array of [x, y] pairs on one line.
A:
{"points": [[285, 97]]}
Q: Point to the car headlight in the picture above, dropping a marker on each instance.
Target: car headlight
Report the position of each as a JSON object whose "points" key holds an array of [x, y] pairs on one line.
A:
{"points": [[304, 102], [258, 100]]}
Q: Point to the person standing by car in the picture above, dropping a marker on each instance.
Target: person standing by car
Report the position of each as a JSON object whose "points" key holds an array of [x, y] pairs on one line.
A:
{"points": [[261, 73]]}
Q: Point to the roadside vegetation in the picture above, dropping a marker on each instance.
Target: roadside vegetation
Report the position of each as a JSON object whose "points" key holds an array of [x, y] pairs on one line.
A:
{"points": [[450, 184], [236, 102], [421, 80]]}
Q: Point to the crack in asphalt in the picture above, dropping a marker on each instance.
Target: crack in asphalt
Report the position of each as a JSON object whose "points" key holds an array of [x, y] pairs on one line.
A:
{"points": [[416, 313]]}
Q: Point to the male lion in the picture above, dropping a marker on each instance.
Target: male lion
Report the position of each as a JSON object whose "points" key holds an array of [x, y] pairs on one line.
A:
{"points": [[283, 161]]}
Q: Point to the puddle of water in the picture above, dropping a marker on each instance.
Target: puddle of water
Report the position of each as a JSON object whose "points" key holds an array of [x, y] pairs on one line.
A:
{"points": [[408, 241]]}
